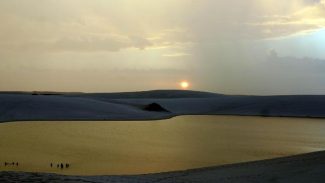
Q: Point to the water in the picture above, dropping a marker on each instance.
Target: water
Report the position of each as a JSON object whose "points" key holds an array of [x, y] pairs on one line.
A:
{"points": [[97, 148]]}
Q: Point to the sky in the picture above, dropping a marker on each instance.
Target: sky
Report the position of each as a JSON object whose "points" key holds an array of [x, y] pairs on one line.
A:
{"points": [[260, 47]]}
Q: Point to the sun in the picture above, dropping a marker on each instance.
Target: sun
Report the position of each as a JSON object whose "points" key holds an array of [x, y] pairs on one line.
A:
{"points": [[184, 85]]}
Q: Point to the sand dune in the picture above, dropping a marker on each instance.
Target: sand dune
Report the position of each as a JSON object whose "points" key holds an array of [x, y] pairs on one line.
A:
{"points": [[17, 106], [299, 169]]}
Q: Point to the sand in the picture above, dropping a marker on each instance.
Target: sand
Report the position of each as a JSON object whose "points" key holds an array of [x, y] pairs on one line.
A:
{"points": [[131, 106]]}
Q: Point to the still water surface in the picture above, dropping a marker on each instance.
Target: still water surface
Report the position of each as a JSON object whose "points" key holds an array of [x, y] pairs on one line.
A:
{"points": [[185, 142]]}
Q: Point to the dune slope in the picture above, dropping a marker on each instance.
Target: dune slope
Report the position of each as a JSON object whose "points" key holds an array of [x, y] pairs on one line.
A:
{"points": [[19, 106]]}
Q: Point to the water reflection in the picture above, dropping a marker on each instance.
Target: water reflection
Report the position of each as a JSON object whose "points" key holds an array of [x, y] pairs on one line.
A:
{"points": [[155, 146]]}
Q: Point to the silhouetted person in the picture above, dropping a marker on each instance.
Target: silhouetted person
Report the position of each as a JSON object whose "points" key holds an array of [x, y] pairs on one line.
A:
{"points": [[61, 165], [57, 165], [51, 165], [16, 163], [6, 163], [13, 163], [67, 165]]}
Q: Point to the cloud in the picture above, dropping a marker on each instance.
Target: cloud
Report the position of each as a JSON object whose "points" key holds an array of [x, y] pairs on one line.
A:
{"points": [[176, 55], [107, 26], [220, 43], [312, 2], [91, 43], [308, 18], [99, 43], [56, 26], [272, 76], [301, 66], [254, 20], [272, 54]]}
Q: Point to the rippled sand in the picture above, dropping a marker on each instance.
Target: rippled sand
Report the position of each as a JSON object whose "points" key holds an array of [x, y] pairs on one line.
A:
{"points": [[185, 142]]}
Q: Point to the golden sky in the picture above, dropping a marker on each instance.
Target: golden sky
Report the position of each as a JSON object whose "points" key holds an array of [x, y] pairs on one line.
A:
{"points": [[227, 46]]}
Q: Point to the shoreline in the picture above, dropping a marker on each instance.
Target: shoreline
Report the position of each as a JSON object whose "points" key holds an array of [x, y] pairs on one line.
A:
{"points": [[155, 119], [298, 168]]}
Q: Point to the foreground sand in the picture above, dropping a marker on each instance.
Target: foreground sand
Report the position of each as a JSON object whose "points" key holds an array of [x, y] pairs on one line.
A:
{"points": [[296, 169]]}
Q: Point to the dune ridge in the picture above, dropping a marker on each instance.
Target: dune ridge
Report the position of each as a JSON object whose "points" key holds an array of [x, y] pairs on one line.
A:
{"points": [[38, 106]]}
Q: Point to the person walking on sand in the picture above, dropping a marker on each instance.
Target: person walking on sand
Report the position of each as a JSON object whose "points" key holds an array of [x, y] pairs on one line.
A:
{"points": [[61, 166], [67, 165], [57, 165], [51, 165]]}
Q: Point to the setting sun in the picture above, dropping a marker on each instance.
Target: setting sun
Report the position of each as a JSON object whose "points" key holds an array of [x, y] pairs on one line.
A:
{"points": [[184, 85]]}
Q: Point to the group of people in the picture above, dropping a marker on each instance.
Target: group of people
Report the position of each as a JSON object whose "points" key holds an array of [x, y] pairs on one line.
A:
{"points": [[11, 163], [61, 165], [58, 165]]}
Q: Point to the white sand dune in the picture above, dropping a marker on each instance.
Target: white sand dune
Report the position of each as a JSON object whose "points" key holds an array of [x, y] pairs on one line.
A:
{"points": [[26, 107], [296, 169], [17, 106]]}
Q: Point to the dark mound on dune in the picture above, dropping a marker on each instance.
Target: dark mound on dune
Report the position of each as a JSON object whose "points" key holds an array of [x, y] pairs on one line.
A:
{"points": [[155, 107]]}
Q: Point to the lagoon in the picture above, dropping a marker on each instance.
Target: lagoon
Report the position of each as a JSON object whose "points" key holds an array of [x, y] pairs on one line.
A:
{"points": [[138, 147]]}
